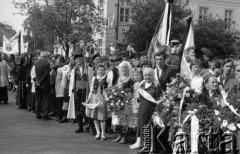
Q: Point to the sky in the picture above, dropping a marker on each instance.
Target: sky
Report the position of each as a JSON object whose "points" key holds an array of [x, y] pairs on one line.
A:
{"points": [[7, 11]]}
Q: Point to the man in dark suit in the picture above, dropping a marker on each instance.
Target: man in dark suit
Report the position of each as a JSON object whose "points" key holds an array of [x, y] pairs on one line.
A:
{"points": [[43, 86], [163, 72]]}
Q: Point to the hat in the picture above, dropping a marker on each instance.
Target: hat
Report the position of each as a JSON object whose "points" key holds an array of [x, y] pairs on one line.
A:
{"points": [[95, 56], [44, 54], [207, 76], [78, 55], [145, 62]]}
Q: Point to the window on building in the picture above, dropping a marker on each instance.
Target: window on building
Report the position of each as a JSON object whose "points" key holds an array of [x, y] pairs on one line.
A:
{"points": [[124, 11], [100, 45], [228, 16], [101, 8], [203, 12]]}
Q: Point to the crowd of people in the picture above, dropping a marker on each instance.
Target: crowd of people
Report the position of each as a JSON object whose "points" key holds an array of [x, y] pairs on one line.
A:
{"points": [[54, 86]]}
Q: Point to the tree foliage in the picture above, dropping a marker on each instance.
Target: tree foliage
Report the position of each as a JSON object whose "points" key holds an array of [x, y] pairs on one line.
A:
{"points": [[146, 15], [63, 22], [216, 35]]}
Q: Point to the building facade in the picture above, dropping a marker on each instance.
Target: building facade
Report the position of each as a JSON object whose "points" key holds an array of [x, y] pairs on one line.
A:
{"points": [[227, 10], [108, 10]]}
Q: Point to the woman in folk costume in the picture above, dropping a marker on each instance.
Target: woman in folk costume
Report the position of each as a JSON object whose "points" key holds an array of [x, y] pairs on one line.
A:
{"points": [[99, 114], [81, 77], [149, 93], [65, 84], [125, 82]]}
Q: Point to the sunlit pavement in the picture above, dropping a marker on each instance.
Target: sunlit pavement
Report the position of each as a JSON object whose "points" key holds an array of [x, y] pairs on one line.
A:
{"points": [[22, 133]]}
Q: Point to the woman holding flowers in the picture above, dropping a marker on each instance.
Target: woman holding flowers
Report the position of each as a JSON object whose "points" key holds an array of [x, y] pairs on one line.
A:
{"points": [[125, 82], [99, 114], [149, 93]]}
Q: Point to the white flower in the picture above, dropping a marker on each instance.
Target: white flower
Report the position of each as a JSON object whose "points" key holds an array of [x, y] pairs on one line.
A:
{"points": [[107, 99], [110, 96], [225, 123], [238, 125], [187, 89], [111, 104], [167, 103], [122, 104], [232, 127], [216, 112]]}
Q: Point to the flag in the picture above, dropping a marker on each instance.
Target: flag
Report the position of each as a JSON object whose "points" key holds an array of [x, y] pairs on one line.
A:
{"points": [[161, 36], [10, 47], [188, 51], [7, 48]]}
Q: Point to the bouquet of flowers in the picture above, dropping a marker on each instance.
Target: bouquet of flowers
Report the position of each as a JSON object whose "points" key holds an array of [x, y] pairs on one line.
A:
{"points": [[114, 97], [119, 102], [228, 115], [170, 106], [206, 117]]}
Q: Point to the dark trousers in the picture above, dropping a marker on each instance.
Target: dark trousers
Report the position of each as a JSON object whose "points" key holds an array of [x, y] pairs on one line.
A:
{"points": [[43, 101], [53, 105], [4, 94], [29, 96], [80, 97], [33, 101], [59, 104]]}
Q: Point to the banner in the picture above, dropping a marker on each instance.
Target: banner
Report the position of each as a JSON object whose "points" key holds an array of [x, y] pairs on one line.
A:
{"points": [[161, 36], [188, 52], [10, 47]]}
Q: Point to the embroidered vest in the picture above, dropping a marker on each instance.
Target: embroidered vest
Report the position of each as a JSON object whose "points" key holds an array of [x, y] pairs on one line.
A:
{"points": [[100, 84], [80, 79]]}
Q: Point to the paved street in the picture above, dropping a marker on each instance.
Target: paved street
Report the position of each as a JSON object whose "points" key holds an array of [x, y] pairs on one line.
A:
{"points": [[22, 133]]}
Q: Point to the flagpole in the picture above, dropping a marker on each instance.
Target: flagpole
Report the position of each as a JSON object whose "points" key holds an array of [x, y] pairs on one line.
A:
{"points": [[116, 27]]}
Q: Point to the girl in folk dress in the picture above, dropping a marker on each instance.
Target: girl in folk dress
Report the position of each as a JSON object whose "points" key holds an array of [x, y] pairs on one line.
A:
{"points": [[99, 114]]}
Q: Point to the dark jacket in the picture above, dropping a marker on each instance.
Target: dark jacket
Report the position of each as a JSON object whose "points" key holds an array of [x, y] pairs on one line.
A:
{"points": [[229, 82], [42, 68], [166, 75], [53, 77], [28, 75]]}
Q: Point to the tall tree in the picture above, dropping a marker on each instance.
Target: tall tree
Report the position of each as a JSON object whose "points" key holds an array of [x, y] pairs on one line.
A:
{"points": [[218, 36], [63, 22], [146, 14]]}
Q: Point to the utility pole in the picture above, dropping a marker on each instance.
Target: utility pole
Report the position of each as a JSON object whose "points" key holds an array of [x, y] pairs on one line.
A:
{"points": [[117, 22]]}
